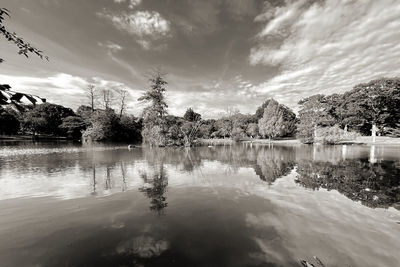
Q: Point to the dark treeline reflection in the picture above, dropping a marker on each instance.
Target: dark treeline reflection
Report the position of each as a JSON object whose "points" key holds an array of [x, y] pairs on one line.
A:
{"points": [[374, 185]]}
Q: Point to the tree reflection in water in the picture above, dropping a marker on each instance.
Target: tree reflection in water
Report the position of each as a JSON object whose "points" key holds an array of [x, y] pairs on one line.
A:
{"points": [[274, 163], [374, 185], [155, 187]]}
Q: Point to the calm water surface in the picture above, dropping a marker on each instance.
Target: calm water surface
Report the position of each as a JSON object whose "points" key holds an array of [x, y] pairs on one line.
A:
{"points": [[73, 205]]}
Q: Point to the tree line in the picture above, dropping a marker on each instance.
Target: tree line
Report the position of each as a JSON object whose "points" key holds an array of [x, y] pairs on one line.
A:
{"points": [[370, 108], [104, 119]]}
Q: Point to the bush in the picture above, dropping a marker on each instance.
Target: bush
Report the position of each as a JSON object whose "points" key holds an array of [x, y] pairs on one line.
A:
{"points": [[333, 135], [104, 126]]}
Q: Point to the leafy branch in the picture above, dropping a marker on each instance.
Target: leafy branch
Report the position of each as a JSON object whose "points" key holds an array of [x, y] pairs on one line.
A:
{"points": [[24, 47]]}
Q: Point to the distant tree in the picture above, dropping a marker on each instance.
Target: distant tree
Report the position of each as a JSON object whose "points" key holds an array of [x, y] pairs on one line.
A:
{"points": [[85, 112], [314, 113], [206, 129], [73, 126], [23, 47], [130, 129], [122, 97], [46, 118], [223, 127], [238, 133], [154, 123], [173, 133], [190, 131], [105, 126], [91, 95], [375, 104], [277, 121], [107, 96], [252, 130], [192, 116], [239, 125], [9, 123]]}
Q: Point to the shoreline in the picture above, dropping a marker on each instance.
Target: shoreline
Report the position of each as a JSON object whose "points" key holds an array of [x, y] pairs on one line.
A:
{"points": [[363, 140]]}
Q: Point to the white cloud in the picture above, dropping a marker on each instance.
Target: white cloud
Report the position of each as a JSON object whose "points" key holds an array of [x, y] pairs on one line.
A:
{"points": [[328, 46], [132, 3], [111, 47], [212, 98], [146, 26]]}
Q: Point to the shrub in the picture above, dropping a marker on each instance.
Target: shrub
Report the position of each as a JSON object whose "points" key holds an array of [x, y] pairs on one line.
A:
{"points": [[333, 135]]}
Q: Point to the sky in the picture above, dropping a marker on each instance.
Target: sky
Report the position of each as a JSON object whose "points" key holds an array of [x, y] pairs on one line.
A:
{"points": [[219, 55]]}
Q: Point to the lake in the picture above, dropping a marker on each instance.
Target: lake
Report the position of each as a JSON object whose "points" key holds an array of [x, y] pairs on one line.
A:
{"points": [[64, 204]]}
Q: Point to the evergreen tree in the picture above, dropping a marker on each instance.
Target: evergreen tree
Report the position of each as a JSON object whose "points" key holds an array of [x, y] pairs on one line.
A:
{"points": [[154, 123]]}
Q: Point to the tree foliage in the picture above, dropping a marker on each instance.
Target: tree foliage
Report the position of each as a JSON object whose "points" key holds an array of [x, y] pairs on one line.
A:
{"points": [[46, 118], [277, 121], [73, 126], [24, 48], [374, 103], [313, 113], [154, 123], [106, 125], [191, 116]]}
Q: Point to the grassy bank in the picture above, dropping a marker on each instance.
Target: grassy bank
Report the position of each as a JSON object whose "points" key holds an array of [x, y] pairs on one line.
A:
{"points": [[227, 142], [362, 140], [380, 140]]}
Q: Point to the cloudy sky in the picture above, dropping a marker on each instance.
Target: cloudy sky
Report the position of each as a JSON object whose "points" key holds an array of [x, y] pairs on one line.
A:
{"points": [[218, 54]]}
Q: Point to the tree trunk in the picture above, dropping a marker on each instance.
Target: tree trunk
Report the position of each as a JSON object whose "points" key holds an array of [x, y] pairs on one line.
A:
{"points": [[373, 133]]}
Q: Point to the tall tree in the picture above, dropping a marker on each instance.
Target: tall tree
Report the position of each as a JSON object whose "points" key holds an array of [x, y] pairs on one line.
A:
{"points": [[122, 97], [260, 110], [23, 47], [313, 113], [91, 94], [107, 96], [154, 124], [277, 121]]}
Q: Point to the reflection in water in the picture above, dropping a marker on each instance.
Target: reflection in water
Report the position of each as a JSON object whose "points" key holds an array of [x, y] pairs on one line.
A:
{"points": [[374, 185], [155, 187], [272, 164], [124, 187], [142, 247], [223, 206], [94, 180], [372, 156]]}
